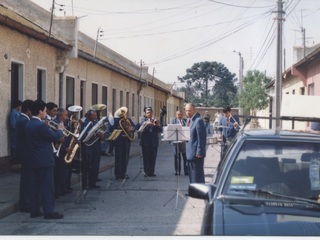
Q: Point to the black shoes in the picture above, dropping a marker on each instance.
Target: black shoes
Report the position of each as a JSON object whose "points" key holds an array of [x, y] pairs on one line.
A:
{"points": [[150, 175], [35, 215], [122, 178], [53, 215], [177, 173]]}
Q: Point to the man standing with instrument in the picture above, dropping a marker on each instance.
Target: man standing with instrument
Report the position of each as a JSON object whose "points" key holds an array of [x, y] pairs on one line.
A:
{"points": [[122, 142], [149, 142], [40, 136], [227, 129], [90, 152], [60, 166]]}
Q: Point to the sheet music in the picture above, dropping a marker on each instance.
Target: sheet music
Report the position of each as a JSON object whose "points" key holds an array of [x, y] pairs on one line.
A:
{"points": [[176, 132]]}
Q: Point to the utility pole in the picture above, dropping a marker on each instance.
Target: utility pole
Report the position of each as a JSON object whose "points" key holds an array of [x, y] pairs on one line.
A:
{"points": [[240, 76], [278, 82], [99, 34], [51, 18]]}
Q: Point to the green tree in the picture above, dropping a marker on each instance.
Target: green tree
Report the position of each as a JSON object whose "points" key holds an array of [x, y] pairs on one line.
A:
{"points": [[253, 96], [200, 76]]}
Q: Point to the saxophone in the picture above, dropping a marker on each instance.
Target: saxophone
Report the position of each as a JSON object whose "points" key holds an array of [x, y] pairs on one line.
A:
{"points": [[74, 143]]}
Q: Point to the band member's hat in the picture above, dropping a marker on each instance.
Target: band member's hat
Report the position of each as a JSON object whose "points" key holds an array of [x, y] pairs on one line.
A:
{"points": [[120, 112], [148, 109], [74, 109]]}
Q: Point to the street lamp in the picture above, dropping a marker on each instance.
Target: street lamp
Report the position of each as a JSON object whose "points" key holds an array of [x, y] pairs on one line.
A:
{"points": [[99, 34]]}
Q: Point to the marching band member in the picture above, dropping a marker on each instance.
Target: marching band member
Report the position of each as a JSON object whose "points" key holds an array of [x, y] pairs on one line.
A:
{"points": [[61, 167], [123, 142], [181, 148], [23, 156], [90, 154], [40, 136], [149, 141]]}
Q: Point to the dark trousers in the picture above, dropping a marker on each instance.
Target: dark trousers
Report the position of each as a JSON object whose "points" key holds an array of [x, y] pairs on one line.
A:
{"points": [[122, 151], [60, 173], [25, 187], [223, 151], [42, 190], [95, 167], [86, 172], [149, 155], [196, 171]]}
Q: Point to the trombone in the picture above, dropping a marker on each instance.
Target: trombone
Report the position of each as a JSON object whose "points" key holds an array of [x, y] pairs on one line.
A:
{"points": [[67, 133]]}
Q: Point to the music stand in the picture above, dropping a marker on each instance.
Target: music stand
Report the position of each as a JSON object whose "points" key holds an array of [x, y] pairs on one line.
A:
{"points": [[177, 134]]}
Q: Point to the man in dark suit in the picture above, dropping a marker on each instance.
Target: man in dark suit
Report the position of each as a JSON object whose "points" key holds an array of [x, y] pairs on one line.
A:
{"points": [[90, 153], [60, 164], [122, 144], [149, 142], [227, 129], [23, 156], [40, 136], [180, 148], [196, 147]]}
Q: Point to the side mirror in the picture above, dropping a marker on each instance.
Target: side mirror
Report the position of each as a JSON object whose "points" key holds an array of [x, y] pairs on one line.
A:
{"points": [[201, 191]]}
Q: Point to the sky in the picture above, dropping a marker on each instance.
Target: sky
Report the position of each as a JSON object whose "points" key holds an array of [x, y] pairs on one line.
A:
{"points": [[169, 36]]}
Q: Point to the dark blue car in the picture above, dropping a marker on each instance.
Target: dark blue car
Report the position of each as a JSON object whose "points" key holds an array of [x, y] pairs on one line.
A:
{"points": [[266, 185]]}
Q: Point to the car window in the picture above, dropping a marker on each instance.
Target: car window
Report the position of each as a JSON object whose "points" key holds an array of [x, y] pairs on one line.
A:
{"points": [[278, 166]]}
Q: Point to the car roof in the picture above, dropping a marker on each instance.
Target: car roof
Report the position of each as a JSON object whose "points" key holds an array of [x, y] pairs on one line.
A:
{"points": [[279, 134]]}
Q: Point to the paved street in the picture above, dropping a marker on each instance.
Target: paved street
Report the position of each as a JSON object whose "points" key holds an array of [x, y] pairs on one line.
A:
{"points": [[139, 206]]}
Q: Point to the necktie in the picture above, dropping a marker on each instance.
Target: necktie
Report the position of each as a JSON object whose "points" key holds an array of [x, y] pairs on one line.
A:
{"points": [[228, 121], [188, 124]]}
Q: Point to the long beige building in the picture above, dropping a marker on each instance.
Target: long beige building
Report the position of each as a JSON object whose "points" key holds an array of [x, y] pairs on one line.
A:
{"points": [[47, 57]]}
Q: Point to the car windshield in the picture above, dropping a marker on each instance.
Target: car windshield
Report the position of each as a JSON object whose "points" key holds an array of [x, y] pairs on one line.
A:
{"points": [[278, 166]]}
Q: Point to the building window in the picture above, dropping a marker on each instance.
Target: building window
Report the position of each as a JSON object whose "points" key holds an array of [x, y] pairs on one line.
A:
{"points": [[16, 82], [311, 89], [94, 93], [127, 99], [302, 91], [82, 95], [133, 105], [293, 92], [69, 91], [114, 100], [121, 98], [140, 105], [104, 99], [41, 84]]}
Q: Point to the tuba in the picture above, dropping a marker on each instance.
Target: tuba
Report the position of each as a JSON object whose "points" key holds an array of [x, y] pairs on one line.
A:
{"points": [[124, 124]]}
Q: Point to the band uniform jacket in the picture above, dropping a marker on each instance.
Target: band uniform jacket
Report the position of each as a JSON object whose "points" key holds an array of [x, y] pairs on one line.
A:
{"points": [[150, 134], [228, 131], [40, 137], [23, 154], [198, 137]]}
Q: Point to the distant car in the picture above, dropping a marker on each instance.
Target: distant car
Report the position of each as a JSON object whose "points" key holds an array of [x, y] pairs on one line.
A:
{"points": [[263, 186]]}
